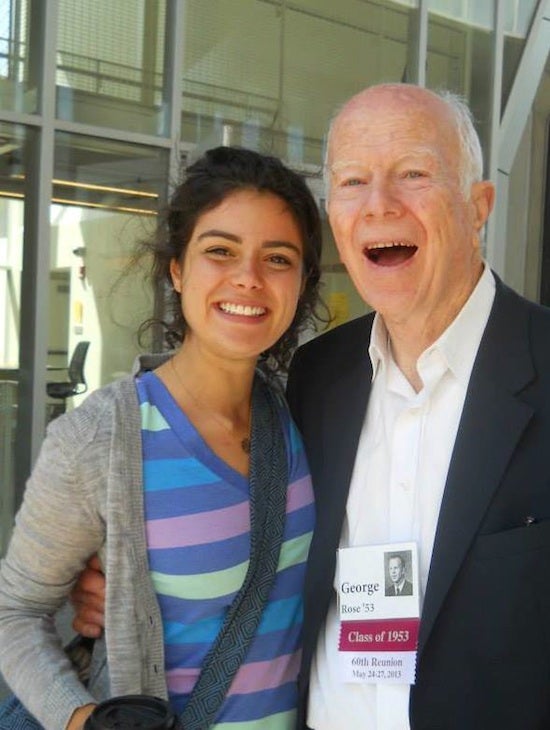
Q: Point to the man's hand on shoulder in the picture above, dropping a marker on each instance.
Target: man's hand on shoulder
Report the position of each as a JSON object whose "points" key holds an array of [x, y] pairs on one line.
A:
{"points": [[88, 600]]}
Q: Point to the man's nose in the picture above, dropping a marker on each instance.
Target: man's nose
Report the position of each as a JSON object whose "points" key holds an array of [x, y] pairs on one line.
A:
{"points": [[380, 200]]}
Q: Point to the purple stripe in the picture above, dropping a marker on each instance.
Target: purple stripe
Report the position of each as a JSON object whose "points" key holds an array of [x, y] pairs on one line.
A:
{"points": [[181, 681], [198, 529], [254, 677], [221, 524], [300, 494]]}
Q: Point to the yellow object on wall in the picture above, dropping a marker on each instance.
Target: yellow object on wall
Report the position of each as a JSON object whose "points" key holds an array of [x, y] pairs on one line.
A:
{"points": [[338, 305]]}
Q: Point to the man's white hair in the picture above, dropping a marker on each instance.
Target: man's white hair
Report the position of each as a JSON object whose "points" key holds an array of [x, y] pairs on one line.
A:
{"points": [[471, 155]]}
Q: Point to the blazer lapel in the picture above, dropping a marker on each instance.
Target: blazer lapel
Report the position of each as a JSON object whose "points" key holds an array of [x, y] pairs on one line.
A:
{"points": [[332, 443], [492, 422], [344, 408]]}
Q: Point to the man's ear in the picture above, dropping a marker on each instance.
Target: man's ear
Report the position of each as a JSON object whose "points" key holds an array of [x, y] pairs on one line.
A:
{"points": [[482, 198], [175, 274]]}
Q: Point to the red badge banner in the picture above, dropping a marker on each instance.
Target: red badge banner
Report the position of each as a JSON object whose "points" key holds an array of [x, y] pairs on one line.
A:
{"points": [[399, 634]]}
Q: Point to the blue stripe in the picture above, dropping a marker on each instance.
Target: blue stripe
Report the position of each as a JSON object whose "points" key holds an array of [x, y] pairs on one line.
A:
{"points": [[276, 643], [163, 445], [176, 472], [289, 583], [296, 520], [239, 708], [254, 706], [201, 558], [191, 499], [296, 445], [264, 648], [203, 632], [275, 617], [279, 614]]}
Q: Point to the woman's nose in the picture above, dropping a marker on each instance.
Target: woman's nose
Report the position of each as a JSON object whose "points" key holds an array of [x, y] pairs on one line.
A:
{"points": [[247, 274]]}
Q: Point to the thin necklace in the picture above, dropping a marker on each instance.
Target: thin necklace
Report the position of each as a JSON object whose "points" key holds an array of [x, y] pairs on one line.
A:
{"points": [[244, 442]]}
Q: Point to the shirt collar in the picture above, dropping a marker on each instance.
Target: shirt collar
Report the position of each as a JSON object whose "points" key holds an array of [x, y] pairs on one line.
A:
{"points": [[379, 347], [460, 341], [458, 344]]}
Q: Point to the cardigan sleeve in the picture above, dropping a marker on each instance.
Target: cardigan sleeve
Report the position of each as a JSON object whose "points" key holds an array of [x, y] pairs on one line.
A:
{"points": [[57, 528]]}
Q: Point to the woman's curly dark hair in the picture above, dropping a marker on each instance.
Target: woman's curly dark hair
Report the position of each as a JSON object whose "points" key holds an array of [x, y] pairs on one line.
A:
{"points": [[207, 182]]}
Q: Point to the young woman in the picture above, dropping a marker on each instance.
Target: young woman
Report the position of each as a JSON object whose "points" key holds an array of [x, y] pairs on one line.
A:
{"points": [[189, 481]]}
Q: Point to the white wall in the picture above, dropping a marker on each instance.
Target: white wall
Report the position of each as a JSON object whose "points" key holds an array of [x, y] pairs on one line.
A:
{"points": [[105, 306]]}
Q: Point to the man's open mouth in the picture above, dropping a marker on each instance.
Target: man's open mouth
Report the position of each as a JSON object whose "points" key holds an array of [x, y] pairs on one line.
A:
{"points": [[389, 253]]}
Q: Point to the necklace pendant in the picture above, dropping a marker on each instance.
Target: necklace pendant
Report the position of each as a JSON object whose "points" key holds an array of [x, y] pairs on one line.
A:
{"points": [[245, 444]]}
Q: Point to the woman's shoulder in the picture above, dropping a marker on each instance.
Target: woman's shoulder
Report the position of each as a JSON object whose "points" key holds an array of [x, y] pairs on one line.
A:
{"points": [[112, 404]]}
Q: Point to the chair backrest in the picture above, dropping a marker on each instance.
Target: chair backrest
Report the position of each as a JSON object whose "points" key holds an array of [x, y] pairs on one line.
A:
{"points": [[76, 365]]}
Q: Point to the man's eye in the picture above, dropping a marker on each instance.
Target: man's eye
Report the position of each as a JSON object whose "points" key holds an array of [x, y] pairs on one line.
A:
{"points": [[351, 182], [414, 174]]}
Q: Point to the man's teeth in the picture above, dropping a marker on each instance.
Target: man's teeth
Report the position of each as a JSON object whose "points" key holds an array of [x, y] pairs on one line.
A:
{"points": [[391, 244], [242, 310]]}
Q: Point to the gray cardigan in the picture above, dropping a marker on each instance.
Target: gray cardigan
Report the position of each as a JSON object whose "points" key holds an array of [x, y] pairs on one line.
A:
{"points": [[85, 495]]}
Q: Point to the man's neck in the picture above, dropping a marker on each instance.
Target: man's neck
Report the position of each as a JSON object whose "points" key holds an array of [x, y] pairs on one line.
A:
{"points": [[410, 335], [406, 349]]}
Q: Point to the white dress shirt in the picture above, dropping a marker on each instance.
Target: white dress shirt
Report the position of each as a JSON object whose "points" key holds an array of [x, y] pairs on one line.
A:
{"points": [[395, 493]]}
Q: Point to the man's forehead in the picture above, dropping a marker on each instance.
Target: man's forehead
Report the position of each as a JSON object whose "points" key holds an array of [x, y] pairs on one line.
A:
{"points": [[339, 159], [392, 98], [366, 121]]}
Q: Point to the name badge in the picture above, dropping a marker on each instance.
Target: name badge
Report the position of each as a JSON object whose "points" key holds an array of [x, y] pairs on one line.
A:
{"points": [[379, 609]]}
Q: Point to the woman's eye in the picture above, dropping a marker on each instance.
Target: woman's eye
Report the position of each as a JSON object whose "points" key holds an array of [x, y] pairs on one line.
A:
{"points": [[351, 182], [414, 174], [218, 251], [280, 260]]}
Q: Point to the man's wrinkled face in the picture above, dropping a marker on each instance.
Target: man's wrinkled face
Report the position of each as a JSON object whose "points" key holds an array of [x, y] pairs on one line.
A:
{"points": [[404, 230]]}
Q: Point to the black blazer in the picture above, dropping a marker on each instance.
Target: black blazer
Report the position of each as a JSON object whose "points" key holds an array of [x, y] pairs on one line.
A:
{"points": [[484, 645]]}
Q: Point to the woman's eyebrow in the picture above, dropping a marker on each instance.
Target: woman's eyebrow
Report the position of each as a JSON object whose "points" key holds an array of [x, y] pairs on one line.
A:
{"points": [[282, 244], [216, 233]]}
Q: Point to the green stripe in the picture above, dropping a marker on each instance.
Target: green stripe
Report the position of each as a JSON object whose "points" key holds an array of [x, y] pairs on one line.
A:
{"points": [[280, 721], [222, 582], [294, 552], [201, 586], [151, 418]]}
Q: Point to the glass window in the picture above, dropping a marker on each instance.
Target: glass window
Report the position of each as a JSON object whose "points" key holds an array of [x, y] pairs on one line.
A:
{"points": [[518, 17], [13, 142], [105, 200], [14, 146], [460, 56], [18, 80], [110, 64], [269, 75]]}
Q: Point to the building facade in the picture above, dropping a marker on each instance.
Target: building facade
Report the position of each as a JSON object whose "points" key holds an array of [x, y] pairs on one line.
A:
{"points": [[102, 103]]}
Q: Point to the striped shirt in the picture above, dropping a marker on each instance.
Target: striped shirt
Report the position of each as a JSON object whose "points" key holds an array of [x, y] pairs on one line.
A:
{"points": [[198, 535]]}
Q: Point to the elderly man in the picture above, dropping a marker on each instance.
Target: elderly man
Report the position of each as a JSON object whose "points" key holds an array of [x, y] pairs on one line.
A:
{"points": [[428, 422]]}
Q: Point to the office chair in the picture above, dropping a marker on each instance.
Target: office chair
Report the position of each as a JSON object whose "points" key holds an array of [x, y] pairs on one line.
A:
{"points": [[76, 383]]}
